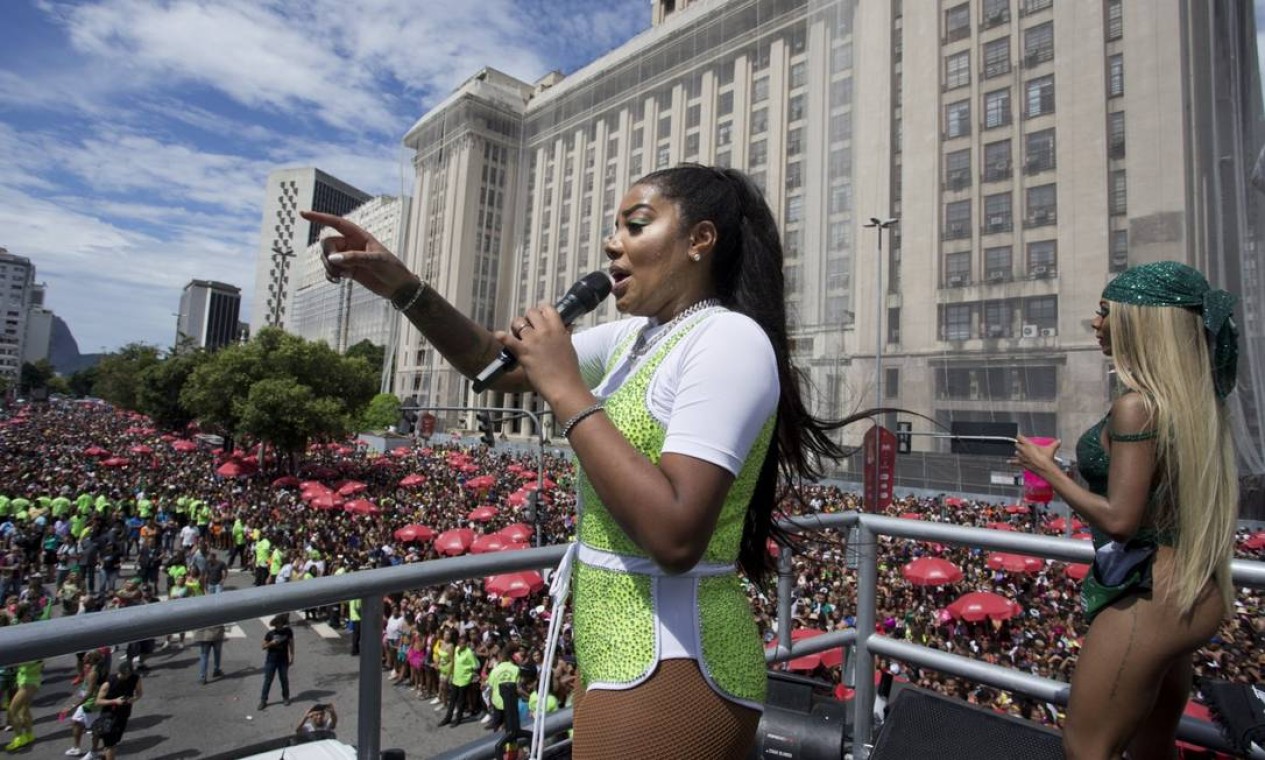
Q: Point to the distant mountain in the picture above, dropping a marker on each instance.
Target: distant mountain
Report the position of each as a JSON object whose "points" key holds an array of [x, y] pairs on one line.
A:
{"points": [[63, 351]]}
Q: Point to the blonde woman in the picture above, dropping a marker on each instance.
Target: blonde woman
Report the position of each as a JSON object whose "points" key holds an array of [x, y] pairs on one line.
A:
{"points": [[1162, 502]]}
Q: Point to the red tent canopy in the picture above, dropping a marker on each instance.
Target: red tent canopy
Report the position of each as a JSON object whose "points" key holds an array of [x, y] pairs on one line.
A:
{"points": [[931, 571], [414, 532], [979, 605], [954, 501], [1017, 509], [1015, 563]]}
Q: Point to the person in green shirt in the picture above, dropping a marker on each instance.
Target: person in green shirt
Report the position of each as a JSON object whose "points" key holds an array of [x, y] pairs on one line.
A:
{"points": [[239, 543], [506, 671], [263, 548], [464, 667], [275, 564], [353, 616]]}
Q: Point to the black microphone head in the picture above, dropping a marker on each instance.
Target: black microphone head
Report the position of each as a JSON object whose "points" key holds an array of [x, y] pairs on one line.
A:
{"points": [[592, 289]]}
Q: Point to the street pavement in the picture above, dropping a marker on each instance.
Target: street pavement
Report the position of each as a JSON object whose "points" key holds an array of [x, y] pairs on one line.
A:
{"points": [[178, 718]]}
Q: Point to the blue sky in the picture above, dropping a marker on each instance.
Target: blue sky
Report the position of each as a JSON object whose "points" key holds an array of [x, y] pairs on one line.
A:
{"points": [[136, 135]]}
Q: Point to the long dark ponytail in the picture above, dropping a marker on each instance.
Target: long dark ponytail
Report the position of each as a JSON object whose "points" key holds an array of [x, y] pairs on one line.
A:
{"points": [[747, 268]]}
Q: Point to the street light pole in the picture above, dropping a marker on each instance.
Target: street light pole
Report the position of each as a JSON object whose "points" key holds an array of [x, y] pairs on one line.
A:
{"points": [[280, 265], [879, 225]]}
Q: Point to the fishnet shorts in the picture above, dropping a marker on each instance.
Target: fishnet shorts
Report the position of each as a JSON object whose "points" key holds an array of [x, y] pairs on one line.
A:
{"points": [[673, 714]]}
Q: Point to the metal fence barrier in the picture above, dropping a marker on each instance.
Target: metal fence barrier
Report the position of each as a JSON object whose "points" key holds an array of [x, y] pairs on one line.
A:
{"points": [[66, 635]]}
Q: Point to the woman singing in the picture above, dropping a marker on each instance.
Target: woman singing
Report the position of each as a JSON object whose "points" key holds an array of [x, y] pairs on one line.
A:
{"points": [[1162, 502], [681, 419]]}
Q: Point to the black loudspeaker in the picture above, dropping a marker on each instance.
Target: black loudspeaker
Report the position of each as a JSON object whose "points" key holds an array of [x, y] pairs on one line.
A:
{"points": [[798, 724], [984, 448], [922, 724]]}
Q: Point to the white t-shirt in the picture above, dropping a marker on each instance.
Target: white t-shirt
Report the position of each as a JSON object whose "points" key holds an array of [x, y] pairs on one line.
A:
{"points": [[713, 392], [188, 536]]}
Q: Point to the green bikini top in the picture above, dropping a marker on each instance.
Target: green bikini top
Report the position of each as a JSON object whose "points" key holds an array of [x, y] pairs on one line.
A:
{"points": [[1094, 462]]}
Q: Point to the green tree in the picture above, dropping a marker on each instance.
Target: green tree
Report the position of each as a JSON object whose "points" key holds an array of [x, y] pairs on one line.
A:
{"points": [[83, 383], [158, 394], [371, 353], [287, 413], [34, 375], [382, 412], [118, 374]]}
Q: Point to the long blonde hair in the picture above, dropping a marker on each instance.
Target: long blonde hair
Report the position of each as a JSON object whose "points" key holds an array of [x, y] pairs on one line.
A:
{"points": [[1162, 353]]}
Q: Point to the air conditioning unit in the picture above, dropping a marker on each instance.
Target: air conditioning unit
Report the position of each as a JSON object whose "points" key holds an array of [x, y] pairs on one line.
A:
{"points": [[1040, 270], [957, 281], [1048, 332], [996, 276], [1031, 331]]}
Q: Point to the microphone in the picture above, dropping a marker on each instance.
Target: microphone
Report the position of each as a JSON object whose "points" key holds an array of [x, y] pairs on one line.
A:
{"points": [[583, 297]]}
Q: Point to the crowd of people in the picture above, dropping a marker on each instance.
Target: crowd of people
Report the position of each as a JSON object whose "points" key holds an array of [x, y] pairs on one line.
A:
{"points": [[80, 534]]}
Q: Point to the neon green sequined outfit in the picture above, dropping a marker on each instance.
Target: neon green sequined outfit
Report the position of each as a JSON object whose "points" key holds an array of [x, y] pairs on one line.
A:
{"points": [[621, 599]]}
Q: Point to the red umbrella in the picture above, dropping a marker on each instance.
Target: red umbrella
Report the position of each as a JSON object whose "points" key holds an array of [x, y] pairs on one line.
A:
{"points": [[978, 605], [184, 446], [1017, 509], [351, 488], [96, 451], [482, 514], [361, 507], [141, 449], [412, 481], [454, 542], [481, 483], [518, 532], [286, 481], [308, 485], [326, 501], [534, 484], [1059, 524], [516, 585], [1015, 563], [233, 469], [830, 658], [1000, 526], [115, 462], [954, 501], [1076, 572], [1255, 541], [931, 571], [516, 499], [490, 542], [910, 516], [414, 532]]}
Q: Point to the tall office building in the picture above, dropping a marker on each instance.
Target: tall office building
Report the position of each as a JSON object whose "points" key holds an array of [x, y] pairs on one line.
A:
{"points": [[208, 314], [1030, 150], [345, 313], [284, 234], [17, 285]]}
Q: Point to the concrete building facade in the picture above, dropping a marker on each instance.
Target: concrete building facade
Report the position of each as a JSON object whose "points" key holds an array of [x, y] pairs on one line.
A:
{"points": [[208, 314], [1030, 149], [283, 234], [17, 285]]}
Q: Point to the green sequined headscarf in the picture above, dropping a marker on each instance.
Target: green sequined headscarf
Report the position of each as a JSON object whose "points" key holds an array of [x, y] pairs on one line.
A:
{"points": [[1168, 283]]}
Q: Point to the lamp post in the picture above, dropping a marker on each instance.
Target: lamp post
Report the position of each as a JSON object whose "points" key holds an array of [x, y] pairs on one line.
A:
{"points": [[280, 265], [879, 225]]}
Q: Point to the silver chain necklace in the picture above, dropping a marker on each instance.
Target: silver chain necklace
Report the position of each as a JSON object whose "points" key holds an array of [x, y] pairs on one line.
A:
{"points": [[642, 345]]}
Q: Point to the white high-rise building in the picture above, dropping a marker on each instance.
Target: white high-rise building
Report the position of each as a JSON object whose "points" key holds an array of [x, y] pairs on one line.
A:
{"points": [[345, 313], [209, 314], [284, 234], [17, 286], [1030, 150]]}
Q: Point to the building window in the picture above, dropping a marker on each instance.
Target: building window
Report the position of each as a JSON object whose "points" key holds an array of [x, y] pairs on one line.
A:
{"points": [[1042, 312], [1042, 253], [1115, 20], [957, 269], [725, 103], [840, 163], [840, 127], [1115, 75], [724, 133], [841, 58], [724, 159], [1038, 44], [759, 121], [957, 220], [996, 320], [795, 107], [693, 115], [956, 321], [841, 92], [957, 22], [957, 118], [1042, 206], [997, 58], [836, 273], [691, 145], [1118, 200], [1115, 134], [997, 263], [760, 90], [1119, 250], [997, 161], [1032, 6], [836, 309], [662, 157], [1039, 96], [799, 74], [795, 141], [957, 169], [995, 13], [998, 213], [794, 175], [791, 246], [997, 108], [891, 375], [758, 154], [1038, 152], [957, 70]]}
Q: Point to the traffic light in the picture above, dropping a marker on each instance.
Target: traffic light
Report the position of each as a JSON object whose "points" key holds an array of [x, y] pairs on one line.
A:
{"points": [[487, 435], [533, 503], [904, 441]]}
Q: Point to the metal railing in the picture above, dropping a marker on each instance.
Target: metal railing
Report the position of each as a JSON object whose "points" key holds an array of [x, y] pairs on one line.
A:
{"points": [[81, 632]]}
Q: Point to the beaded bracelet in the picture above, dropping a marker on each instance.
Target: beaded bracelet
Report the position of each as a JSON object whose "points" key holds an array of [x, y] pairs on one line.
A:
{"points": [[579, 417], [412, 301]]}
